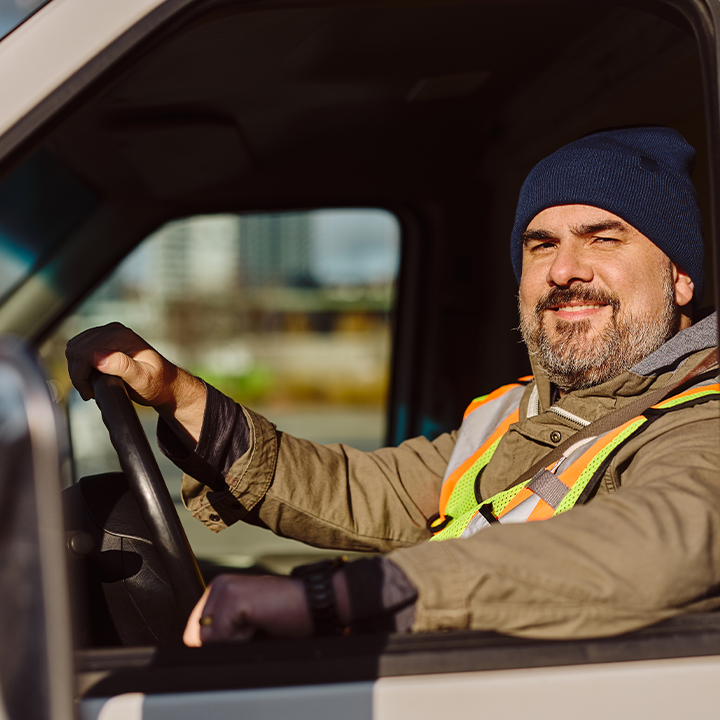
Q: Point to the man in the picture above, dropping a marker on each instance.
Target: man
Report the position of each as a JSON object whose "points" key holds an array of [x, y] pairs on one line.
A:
{"points": [[607, 246]]}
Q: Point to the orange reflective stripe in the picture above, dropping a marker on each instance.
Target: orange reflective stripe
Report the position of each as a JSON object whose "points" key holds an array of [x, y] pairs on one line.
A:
{"points": [[522, 495], [542, 511], [474, 405], [570, 474], [451, 480], [691, 391], [494, 395]]}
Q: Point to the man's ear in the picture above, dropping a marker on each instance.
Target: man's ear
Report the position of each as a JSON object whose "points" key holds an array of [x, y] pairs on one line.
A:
{"points": [[684, 286]]}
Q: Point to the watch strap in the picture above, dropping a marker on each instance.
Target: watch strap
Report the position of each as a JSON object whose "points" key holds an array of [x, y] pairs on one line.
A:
{"points": [[317, 579]]}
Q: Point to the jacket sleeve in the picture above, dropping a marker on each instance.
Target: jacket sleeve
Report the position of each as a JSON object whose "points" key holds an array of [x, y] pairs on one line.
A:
{"points": [[327, 495], [627, 559]]}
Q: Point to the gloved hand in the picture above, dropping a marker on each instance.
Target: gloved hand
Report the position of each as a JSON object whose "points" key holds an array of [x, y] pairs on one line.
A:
{"points": [[235, 607], [152, 380]]}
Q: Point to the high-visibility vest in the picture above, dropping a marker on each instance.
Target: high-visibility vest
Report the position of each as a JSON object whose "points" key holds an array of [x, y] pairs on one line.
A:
{"points": [[555, 489]]}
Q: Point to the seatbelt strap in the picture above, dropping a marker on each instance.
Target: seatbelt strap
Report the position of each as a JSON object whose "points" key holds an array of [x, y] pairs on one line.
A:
{"points": [[617, 417]]}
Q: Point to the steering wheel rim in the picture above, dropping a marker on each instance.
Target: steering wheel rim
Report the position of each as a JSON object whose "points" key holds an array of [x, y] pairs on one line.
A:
{"points": [[149, 489]]}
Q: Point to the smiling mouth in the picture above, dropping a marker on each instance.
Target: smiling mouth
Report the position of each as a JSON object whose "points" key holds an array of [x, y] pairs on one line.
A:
{"points": [[578, 307]]}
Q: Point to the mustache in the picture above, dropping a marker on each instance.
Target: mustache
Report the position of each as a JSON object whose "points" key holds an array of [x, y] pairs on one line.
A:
{"points": [[576, 293]]}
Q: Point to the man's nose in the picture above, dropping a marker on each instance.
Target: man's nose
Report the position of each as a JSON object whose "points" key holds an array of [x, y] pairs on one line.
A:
{"points": [[568, 266]]}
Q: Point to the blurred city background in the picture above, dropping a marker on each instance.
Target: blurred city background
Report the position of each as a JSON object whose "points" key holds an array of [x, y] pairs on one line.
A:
{"points": [[288, 313]]}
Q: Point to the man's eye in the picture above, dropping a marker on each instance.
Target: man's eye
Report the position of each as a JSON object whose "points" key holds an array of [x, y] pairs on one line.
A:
{"points": [[543, 246], [606, 239]]}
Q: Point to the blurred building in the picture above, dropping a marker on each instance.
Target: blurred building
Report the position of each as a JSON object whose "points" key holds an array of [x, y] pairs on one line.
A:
{"points": [[275, 249]]}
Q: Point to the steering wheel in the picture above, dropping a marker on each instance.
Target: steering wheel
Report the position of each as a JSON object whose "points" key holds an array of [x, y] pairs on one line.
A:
{"points": [[149, 489]]}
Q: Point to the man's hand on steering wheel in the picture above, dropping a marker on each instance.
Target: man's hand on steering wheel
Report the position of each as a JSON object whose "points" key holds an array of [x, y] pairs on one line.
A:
{"points": [[151, 379]]}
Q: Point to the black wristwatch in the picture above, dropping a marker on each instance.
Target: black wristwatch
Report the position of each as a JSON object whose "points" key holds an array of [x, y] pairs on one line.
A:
{"points": [[320, 593]]}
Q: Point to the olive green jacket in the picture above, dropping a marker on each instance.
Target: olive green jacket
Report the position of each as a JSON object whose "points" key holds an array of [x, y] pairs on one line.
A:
{"points": [[645, 548]]}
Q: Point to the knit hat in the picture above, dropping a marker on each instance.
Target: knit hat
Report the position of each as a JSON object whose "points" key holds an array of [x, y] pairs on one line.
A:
{"points": [[639, 174]]}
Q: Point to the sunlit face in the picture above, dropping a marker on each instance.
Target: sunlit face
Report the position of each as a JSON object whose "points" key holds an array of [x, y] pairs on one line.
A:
{"points": [[596, 295]]}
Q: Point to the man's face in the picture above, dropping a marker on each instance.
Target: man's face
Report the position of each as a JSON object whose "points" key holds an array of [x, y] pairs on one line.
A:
{"points": [[596, 295]]}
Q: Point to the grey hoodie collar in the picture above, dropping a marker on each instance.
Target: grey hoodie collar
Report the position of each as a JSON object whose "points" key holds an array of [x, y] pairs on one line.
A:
{"points": [[697, 337]]}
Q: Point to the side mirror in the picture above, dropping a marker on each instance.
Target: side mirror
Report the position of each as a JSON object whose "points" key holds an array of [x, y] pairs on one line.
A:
{"points": [[36, 652]]}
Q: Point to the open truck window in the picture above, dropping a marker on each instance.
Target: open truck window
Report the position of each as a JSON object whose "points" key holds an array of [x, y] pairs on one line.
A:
{"points": [[289, 313]]}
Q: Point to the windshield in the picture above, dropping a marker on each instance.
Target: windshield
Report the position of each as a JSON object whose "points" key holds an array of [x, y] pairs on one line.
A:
{"points": [[40, 202], [14, 12]]}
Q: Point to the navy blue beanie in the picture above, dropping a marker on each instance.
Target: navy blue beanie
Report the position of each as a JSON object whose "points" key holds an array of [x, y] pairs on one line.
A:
{"points": [[639, 174]]}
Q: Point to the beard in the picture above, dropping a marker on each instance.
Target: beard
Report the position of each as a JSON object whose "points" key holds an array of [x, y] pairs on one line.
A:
{"points": [[579, 357]]}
